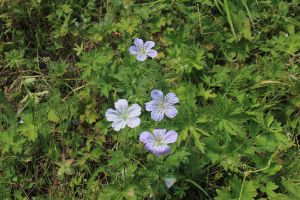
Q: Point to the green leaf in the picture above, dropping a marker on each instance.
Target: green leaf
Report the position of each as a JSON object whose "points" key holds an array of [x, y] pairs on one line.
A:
{"points": [[58, 68], [28, 128], [292, 188], [223, 194], [7, 141], [249, 191], [15, 58], [52, 116], [200, 145]]}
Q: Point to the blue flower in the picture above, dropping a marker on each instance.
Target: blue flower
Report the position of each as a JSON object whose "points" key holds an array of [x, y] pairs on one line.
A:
{"points": [[122, 115], [157, 143], [161, 105], [142, 50]]}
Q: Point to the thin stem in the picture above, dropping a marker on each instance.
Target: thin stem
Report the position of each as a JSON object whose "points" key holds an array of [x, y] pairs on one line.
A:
{"points": [[156, 167], [242, 188], [254, 171], [124, 149]]}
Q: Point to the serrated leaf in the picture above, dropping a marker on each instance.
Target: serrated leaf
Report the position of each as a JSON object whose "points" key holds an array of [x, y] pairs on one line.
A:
{"points": [[28, 128], [52, 116], [292, 188]]}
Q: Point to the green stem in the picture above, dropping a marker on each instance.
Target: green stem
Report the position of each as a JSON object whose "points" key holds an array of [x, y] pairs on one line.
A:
{"points": [[156, 168], [255, 171], [242, 188], [125, 150]]}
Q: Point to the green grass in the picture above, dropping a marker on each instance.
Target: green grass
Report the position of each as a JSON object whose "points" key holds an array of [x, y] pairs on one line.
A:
{"points": [[234, 66]]}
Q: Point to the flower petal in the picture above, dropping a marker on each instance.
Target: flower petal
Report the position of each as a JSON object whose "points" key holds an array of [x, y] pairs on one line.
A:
{"points": [[141, 57], [118, 125], [171, 98], [134, 122], [146, 137], [134, 110], [157, 95], [152, 53], [149, 45], [112, 115], [138, 42], [151, 105], [170, 182], [159, 133], [134, 50], [121, 105], [157, 115], [171, 112], [170, 137], [149, 146], [160, 149]]}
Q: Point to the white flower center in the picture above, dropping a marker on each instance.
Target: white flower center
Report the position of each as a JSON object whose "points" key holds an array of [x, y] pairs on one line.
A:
{"points": [[162, 105], [123, 115], [158, 142], [143, 50]]}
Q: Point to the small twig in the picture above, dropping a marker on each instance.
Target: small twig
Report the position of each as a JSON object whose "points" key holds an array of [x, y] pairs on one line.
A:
{"points": [[254, 171], [74, 90]]}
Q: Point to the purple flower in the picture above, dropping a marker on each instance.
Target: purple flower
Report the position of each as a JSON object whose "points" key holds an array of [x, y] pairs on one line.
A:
{"points": [[157, 143], [142, 50], [122, 115], [161, 105]]}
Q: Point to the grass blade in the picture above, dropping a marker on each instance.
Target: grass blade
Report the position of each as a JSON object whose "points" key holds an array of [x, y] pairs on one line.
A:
{"points": [[228, 14], [248, 11]]}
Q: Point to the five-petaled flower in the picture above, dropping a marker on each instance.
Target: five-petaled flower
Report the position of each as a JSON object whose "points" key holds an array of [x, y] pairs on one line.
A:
{"points": [[161, 105], [122, 115], [157, 143], [142, 50]]}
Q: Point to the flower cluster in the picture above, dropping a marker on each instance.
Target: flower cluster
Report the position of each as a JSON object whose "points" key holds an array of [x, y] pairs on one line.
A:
{"points": [[160, 106]]}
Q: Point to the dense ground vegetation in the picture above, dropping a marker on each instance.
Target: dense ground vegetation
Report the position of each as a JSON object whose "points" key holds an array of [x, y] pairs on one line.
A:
{"points": [[234, 65]]}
